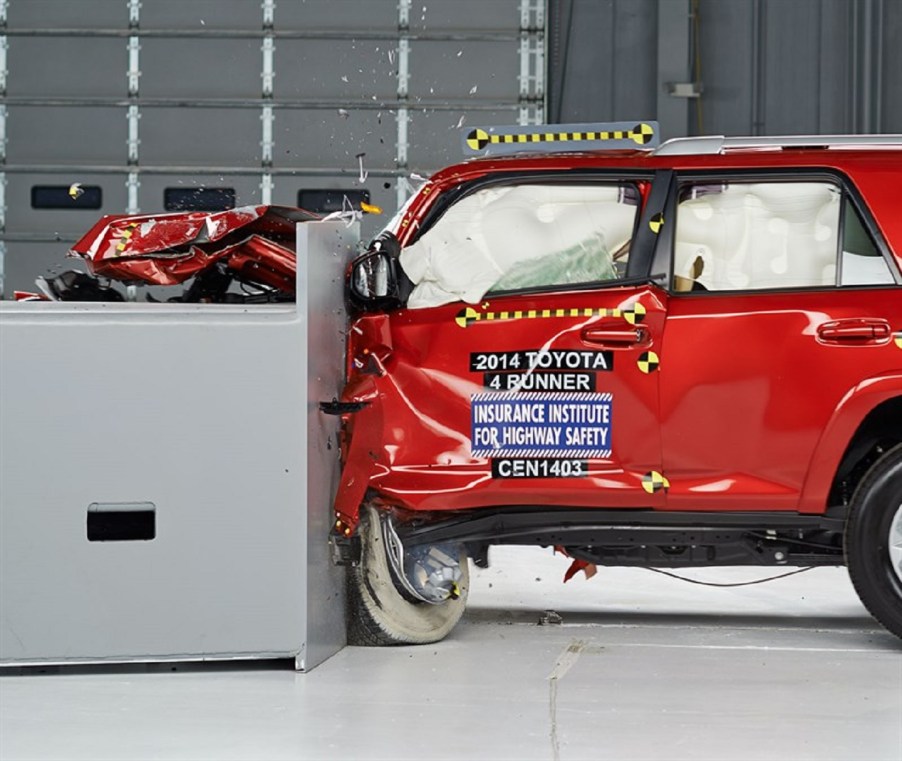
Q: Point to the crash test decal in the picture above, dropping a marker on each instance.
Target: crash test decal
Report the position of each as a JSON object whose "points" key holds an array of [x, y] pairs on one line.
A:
{"points": [[125, 237], [653, 482], [541, 369], [483, 141], [633, 314], [898, 339], [648, 362], [560, 426]]}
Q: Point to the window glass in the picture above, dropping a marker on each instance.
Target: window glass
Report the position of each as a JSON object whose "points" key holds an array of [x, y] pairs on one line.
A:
{"points": [[862, 263], [75, 196], [756, 235], [523, 236], [328, 201]]}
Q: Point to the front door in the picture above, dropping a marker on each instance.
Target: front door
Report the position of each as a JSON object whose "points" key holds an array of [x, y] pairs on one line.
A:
{"points": [[543, 388]]}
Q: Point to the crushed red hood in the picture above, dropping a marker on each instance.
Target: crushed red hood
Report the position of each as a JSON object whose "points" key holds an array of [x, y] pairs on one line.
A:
{"points": [[167, 249]]}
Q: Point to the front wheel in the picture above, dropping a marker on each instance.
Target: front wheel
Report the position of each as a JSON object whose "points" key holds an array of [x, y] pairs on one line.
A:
{"points": [[380, 612], [874, 540]]}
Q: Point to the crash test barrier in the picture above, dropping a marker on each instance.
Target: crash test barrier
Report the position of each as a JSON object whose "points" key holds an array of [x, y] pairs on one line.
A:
{"points": [[166, 476]]}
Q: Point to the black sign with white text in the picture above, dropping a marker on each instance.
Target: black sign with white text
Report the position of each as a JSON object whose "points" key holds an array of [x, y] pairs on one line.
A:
{"points": [[541, 359], [539, 468]]}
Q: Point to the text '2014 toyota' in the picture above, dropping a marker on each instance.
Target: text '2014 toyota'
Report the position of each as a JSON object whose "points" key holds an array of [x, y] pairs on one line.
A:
{"points": [[675, 355]]}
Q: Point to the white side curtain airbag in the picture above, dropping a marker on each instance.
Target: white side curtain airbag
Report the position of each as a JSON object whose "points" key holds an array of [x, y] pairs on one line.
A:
{"points": [[516, 237]]}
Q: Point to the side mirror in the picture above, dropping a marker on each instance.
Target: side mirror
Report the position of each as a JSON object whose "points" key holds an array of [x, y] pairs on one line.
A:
{"points": [[374, 281]]}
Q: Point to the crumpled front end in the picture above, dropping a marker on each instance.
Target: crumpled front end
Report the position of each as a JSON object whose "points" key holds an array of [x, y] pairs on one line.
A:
{"points": [[250, 245]]}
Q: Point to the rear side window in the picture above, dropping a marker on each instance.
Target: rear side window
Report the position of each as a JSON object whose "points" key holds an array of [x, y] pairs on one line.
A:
{"points": [[515, 237], [737, 236], [862, 263]]}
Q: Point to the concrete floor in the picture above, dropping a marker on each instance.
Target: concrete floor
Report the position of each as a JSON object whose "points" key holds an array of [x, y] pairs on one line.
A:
{"points": [[641, 667]]}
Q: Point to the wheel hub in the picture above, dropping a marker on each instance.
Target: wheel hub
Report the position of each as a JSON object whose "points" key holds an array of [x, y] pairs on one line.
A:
{"points": [[429, 572], [895, 543]]}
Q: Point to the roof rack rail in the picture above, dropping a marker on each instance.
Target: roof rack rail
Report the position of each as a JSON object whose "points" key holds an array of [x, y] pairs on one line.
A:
{"points": [[693, 146]]}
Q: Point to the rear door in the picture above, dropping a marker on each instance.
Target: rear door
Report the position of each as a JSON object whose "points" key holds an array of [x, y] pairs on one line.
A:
{"points": [[784, 300], [542, 390]]}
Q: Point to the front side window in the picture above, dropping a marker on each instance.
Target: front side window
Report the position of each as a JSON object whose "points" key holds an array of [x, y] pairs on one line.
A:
{"points": [[737, 236], [514, 237]]}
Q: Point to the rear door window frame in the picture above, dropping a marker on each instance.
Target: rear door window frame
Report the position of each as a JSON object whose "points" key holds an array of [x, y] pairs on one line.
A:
{"points": [[665, 251]]}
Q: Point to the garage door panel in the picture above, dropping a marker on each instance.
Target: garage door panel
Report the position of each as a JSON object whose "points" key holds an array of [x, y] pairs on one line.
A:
{"points": [[205, 68], [464, 70], [346, 15], [200, 137], [435, 137], [66, 135], [201, 14], [199, 106], [67, 67], [496, 16], [286, 190], [66, 14], [22, 217], [25, 262], [336, 69], [326, 138], [152, 191]]}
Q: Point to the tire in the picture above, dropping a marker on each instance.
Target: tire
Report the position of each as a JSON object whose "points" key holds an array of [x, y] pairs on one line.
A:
{"points": [[873, 541], [379, 613]]}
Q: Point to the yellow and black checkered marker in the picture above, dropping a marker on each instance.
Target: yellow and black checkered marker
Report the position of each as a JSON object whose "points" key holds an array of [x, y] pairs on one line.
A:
{"points": [[656, 223], [548, 138], [653, 482], [648, 362], [897, 339], [125, 237], [633, 314]]}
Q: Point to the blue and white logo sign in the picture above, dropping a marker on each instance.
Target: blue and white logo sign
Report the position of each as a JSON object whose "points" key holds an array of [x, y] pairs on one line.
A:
{"points": [[541, 425]]}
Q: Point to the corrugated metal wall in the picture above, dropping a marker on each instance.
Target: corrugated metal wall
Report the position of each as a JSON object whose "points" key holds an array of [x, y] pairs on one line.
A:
{"points": [[767, 67]]}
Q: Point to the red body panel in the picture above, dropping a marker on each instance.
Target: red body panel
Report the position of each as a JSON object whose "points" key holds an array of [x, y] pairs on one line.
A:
{"points": [[751, 408], [418, 428], [748, 388]]}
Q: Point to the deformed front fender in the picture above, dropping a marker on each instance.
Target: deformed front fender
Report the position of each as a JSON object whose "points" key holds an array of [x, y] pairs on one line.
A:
{"points": [[364, 452], [834, 440]]}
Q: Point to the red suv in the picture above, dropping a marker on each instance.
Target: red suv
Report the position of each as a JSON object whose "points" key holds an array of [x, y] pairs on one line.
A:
{"points": [[672, 356]]}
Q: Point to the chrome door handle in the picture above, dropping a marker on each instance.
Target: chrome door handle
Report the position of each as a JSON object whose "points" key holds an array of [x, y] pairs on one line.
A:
{"points": [[611, 337]]}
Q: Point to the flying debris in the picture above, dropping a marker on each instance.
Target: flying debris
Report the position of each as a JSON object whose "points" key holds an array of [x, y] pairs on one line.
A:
{"points": [[349, 214], [363, 173], [76, 191]]}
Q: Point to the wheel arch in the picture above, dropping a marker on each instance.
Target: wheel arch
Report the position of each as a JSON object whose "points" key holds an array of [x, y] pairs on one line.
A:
{"points": [[867, 420]]}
